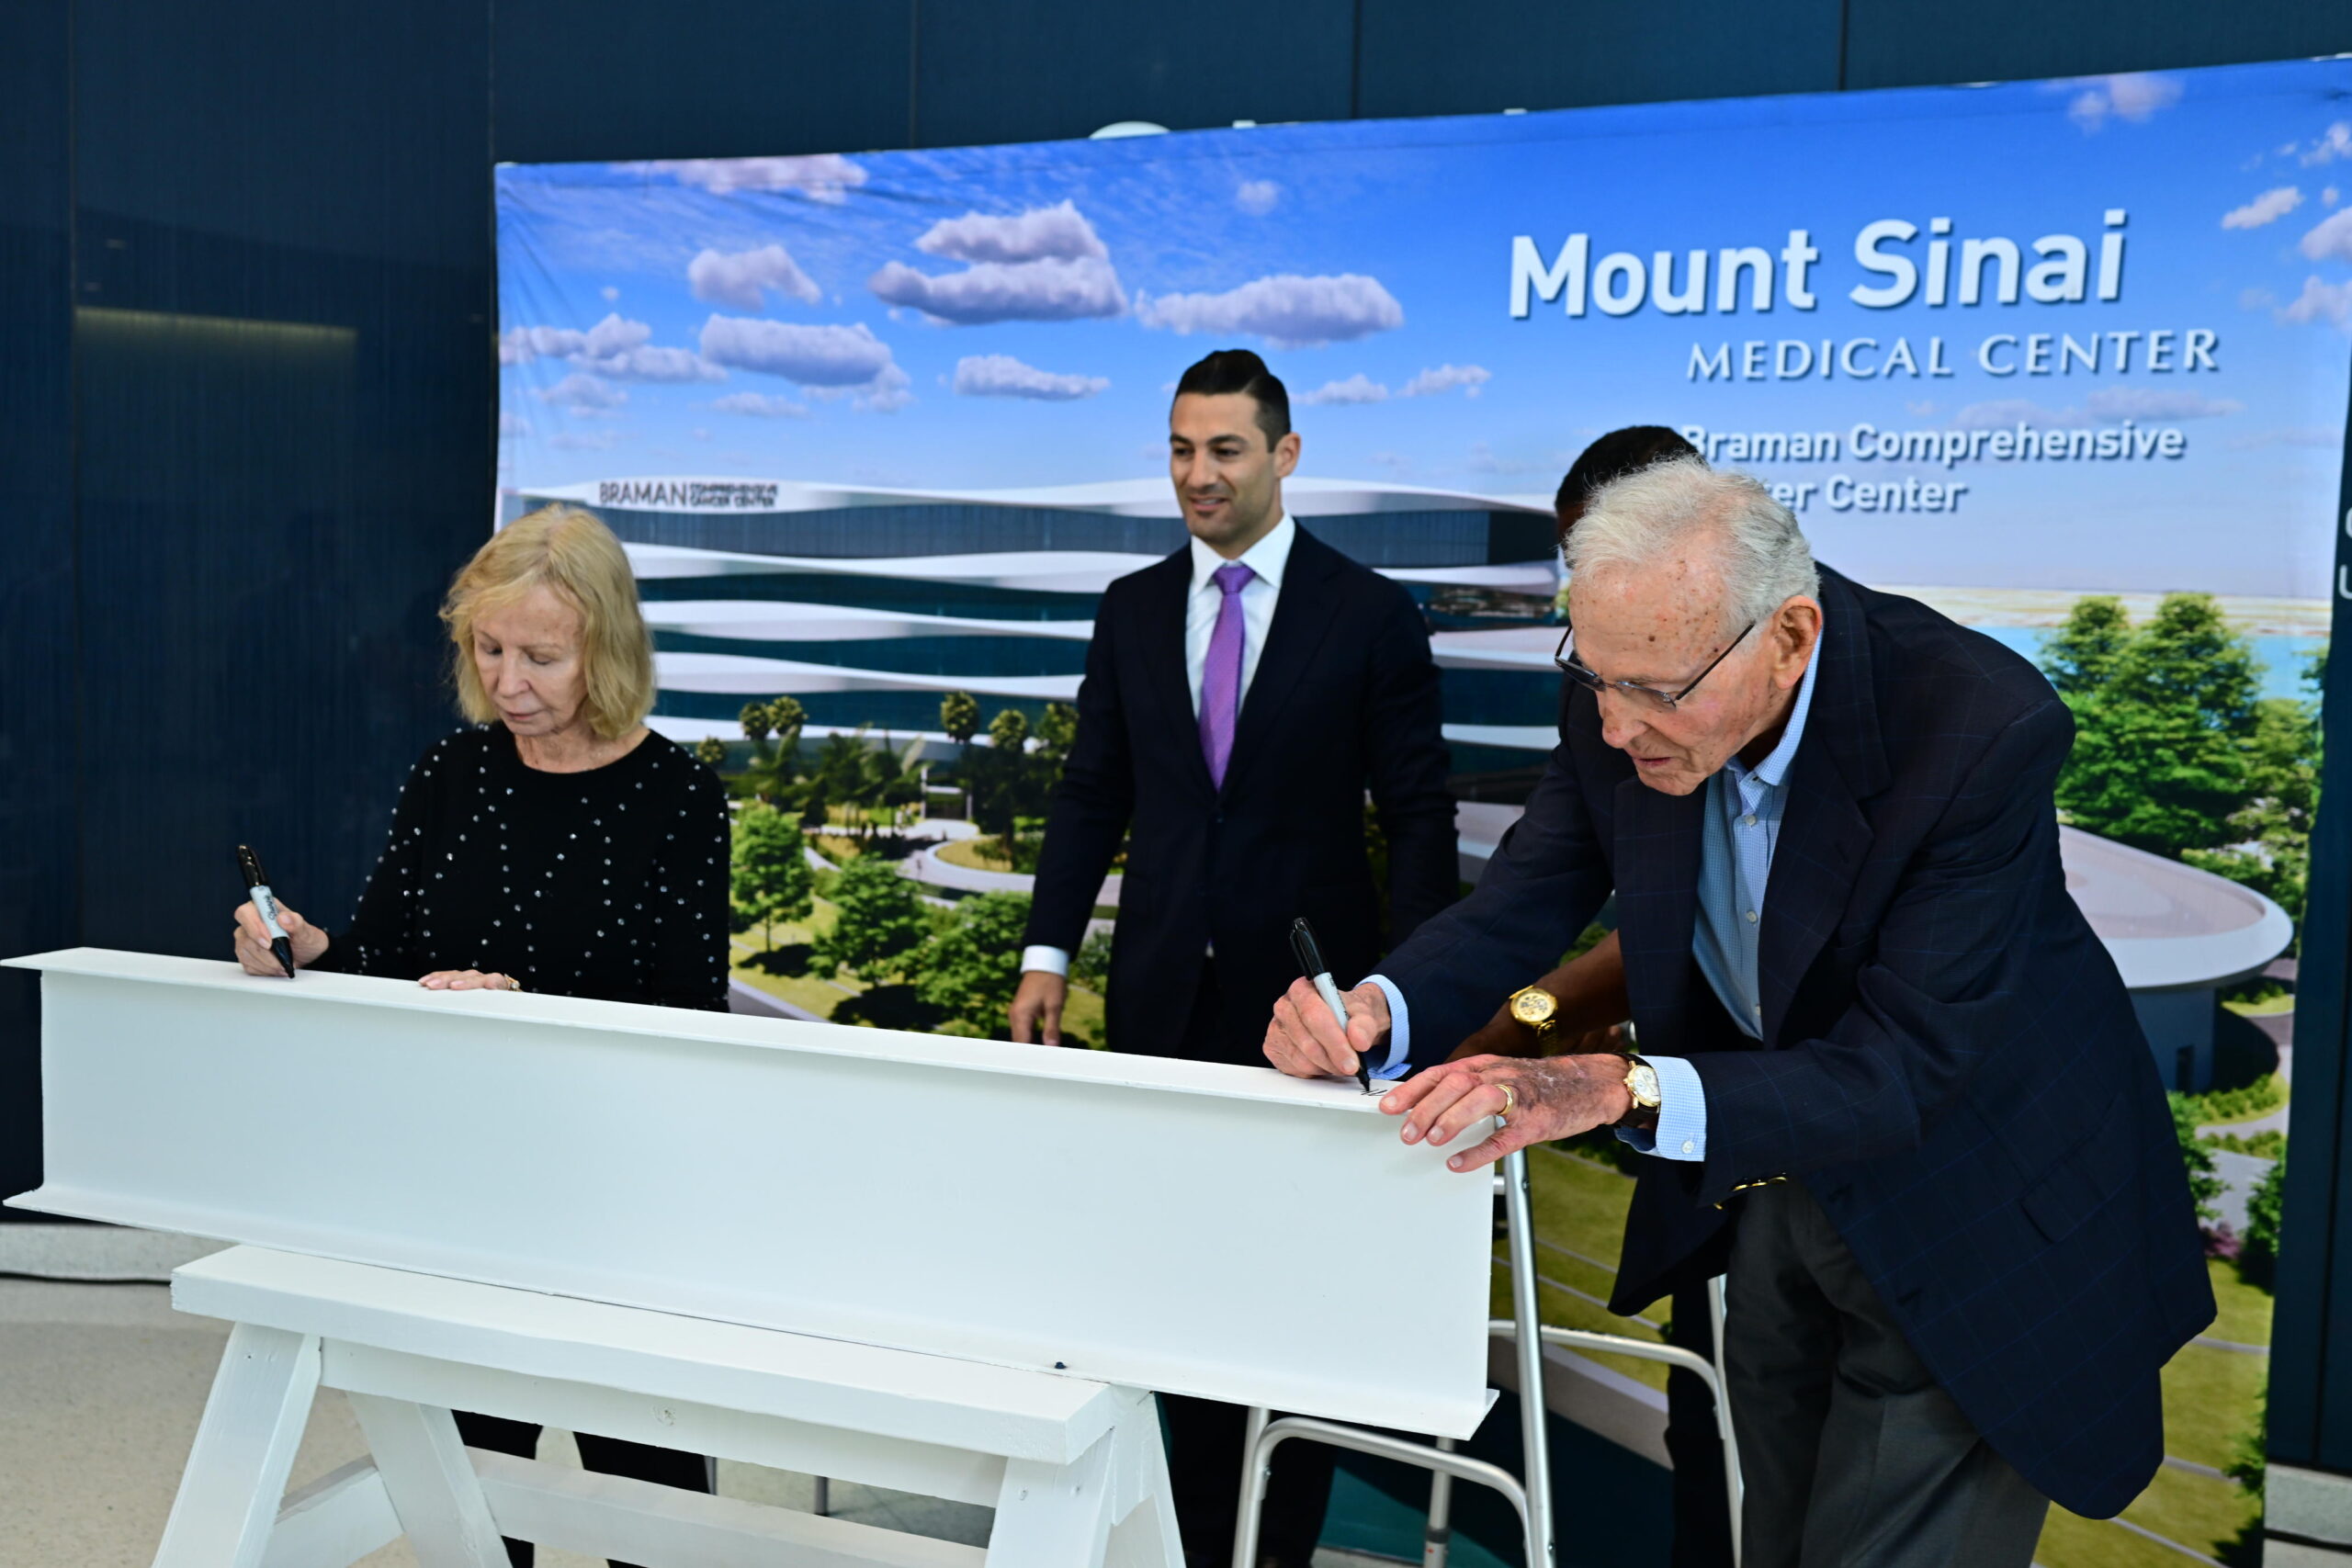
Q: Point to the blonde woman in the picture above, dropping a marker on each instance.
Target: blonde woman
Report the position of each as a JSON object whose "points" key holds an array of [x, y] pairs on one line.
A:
{"points": [[556, 844]]}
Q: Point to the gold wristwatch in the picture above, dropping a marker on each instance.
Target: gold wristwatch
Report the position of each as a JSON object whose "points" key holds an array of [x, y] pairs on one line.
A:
{"points": [[1641, 1084], [1536, 1008]]}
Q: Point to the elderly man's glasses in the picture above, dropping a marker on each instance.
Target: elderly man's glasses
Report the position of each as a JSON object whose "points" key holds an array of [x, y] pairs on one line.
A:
{"points": [[1565, 655]]}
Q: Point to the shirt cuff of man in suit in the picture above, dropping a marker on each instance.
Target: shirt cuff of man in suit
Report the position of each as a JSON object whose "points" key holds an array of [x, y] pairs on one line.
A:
{"points": [[1400, 1031], [1052, 960], [1681, 1129]]}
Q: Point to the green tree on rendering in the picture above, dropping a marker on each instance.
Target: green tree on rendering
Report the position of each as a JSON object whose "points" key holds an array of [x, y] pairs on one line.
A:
{"points": [[2264, 1209], [1007, 784], [1056, 733], [2081, 656], [770, 773], [2204, 1185], [756, 728], [960, 720], [969, 969], [2283, 760], [2176, 752], [711, 752], [891, 779], [879, 923], [768, 876], [2163, 715]]}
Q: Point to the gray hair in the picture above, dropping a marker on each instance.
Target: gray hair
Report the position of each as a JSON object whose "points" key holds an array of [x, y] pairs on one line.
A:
{"points": [[1651, 512]]}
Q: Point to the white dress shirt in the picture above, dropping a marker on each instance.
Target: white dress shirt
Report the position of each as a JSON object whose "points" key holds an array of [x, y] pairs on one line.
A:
{"points": [[1266, 559]]}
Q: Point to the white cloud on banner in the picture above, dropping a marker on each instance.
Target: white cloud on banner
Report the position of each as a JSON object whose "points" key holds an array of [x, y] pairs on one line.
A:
{"points": [[584, 393], [1060, 233], [1287, 310], [2134, 96], [1357, 389], [813, 356], [1257, 197], [2267, 208], [758, 405], [737, 278], [2330, 239], [1001, 375], [1445, 378], [512, 423], [825, 176], [654, 364], [1054, 289], [2114, 403], [2109, 405], [2002, 412], [2336, 143], [591, 441], [2320, 301], [2321, 435], [614, 348]]}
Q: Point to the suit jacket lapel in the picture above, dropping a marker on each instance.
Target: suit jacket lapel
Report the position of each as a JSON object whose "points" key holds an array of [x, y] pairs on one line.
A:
{"points": [[1824, 835], [1303, 615], [1160, 617], [1656, 865]]}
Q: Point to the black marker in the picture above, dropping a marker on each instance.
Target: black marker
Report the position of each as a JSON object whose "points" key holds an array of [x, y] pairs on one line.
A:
{"points": [[265, 902], [1319, 975]]}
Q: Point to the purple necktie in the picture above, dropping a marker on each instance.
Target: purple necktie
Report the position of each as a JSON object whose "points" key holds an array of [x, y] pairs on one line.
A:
{"points": [[1221, 674]]}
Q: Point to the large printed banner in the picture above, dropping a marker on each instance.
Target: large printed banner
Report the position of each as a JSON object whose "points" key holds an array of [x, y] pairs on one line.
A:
{"points": [[2066, 359], [879, 426]]}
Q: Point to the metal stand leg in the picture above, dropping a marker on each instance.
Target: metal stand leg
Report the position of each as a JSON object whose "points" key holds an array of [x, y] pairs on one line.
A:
{"points": [[1531, 1497], [824, 1507], [1437, 1542], [1535, 1440], [1734, 1489], [1256, 1459]]}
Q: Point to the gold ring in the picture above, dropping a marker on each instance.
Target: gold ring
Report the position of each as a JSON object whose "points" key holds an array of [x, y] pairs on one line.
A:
{"points": [[1510, 1102]]}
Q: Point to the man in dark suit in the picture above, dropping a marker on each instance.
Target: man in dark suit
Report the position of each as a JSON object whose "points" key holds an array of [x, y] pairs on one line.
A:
{"points": [[1587, 1003], [1241, 697], [1891, 1076]]}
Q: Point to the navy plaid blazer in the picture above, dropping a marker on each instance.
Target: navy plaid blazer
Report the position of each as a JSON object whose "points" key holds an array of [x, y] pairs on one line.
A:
{"points": [[1950, 1061]]}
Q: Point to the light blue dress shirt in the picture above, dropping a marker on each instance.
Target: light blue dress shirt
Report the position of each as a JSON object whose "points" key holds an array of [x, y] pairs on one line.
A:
{"points": [[1741, 829]]}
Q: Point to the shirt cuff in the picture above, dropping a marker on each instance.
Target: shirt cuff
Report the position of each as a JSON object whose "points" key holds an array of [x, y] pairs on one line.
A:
{"points": [[1681, 1129], [1052, 960], [1400, 1029]]}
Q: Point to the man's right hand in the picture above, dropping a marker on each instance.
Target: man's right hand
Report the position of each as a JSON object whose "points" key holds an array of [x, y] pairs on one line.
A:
{"points": [[1305, 1041], [1036, 1010]]}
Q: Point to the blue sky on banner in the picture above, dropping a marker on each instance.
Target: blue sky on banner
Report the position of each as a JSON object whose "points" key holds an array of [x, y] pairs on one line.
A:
{"points": [[1015, 316]]}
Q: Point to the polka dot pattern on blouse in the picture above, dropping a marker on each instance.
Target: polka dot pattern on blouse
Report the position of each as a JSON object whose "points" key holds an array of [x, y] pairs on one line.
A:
{"points": [[609, 884]]}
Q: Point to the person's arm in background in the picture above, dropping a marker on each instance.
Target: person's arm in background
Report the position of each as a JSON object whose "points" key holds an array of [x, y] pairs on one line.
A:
{"points": [[378, 941], [1590, 991], [691, 939], [1543, 887], [1089, 817], [1404, 745]]}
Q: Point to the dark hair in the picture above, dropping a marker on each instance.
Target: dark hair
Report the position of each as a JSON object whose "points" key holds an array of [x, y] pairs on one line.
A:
{"points": [[1230, 370], [1615, 454]]}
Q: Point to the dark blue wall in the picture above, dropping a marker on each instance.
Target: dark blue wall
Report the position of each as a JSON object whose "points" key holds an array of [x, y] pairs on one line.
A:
{"points": [[246, 367]]}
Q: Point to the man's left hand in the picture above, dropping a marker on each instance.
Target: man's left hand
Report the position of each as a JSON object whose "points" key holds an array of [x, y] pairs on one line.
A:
{"points": [[1558, 1096]]}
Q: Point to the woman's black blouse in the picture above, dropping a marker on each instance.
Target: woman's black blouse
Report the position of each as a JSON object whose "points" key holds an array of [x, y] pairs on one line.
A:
{"points": [[610, 884]]}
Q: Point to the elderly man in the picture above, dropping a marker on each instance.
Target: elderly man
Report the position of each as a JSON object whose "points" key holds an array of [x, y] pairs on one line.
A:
{"points": [[1891, 1077]]}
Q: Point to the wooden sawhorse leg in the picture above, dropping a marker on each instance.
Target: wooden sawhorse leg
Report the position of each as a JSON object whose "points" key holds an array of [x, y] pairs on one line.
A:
{"points": [[236, 1472]]}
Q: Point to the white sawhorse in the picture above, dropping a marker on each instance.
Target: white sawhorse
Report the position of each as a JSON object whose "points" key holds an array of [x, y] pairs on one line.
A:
{"points": [[1074, 1469]]}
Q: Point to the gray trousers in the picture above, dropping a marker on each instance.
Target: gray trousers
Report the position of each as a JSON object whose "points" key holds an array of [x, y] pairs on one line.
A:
{"points": [[1851, 1455]]}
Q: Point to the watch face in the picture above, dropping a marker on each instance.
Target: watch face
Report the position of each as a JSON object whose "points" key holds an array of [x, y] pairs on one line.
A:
{"points": [[1532, 1007], [1641, 1082]]}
